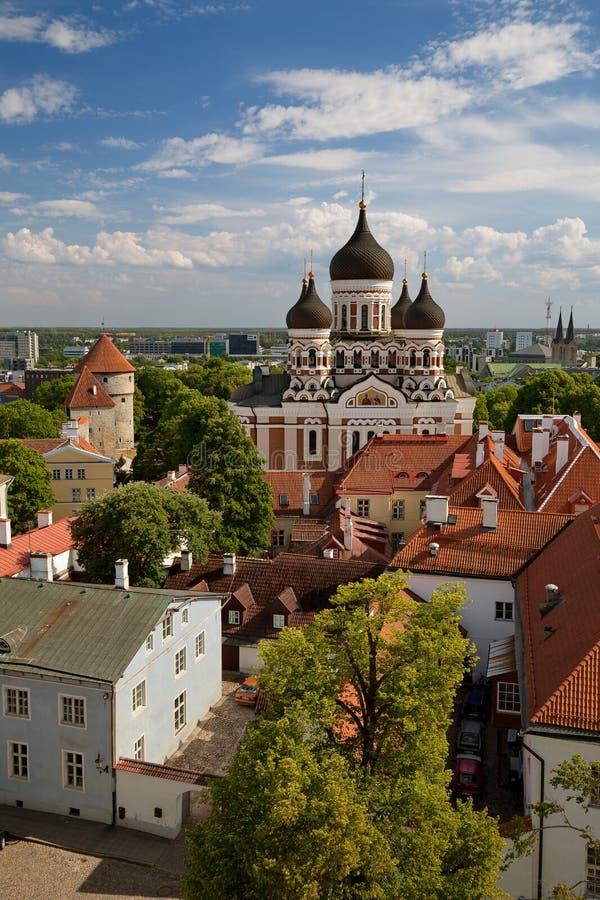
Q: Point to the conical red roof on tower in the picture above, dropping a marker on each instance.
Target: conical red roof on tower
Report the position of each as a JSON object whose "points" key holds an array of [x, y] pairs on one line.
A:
{"points": [[105, 357]]}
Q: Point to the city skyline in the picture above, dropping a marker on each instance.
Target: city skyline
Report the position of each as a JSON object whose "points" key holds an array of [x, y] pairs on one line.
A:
{"points": [[162, 160]]}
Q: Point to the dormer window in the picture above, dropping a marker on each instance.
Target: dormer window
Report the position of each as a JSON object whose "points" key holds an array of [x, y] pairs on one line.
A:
{"points": [[284, 500], [278, 622], [234, 617], [4, 646]]}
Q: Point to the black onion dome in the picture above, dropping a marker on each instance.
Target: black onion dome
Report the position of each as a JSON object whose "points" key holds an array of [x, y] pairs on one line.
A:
{"points": [[400, 306], [309, 311], [424, 313], [362, 256]]}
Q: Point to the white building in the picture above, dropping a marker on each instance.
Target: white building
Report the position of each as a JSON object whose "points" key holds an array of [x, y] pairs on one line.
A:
{"points": [[494, 339], [90, 675], [523, 339]]}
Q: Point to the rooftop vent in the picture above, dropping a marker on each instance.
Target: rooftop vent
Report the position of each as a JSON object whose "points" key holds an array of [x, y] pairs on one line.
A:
{"points": [[553, 599], [434, 548]]}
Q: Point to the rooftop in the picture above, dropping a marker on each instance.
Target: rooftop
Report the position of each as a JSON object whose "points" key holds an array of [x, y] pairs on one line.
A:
{"points": [[105, 358], [54, 539]]}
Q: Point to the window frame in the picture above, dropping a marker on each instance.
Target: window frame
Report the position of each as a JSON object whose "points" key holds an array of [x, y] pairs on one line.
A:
{"points": [[510, 702], [138, 696], [180, 661], [592, 869], [200, 641], [234, 617], [278, 621], [75, 495], [502, 607], [167, 627], [62, 704], [81, 474], [180, 711], [149, 645], [68, 474], [73, 770], [139, 749], [185, 615], [26, 694], [56, 475], [90, 493], [363, 507], [278, 537], [398, 510], [18, 756]]}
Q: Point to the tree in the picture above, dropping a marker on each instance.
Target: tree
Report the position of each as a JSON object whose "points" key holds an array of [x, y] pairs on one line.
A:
{"points": [[356, 724], [31, 489], [158, 387], [143, 524], [51, 395], [216, 377], [480, 411], [22, 419], [499, 403]]}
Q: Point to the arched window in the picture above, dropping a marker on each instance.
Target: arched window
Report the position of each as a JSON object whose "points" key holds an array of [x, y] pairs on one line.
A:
{"points": [[339, 359], [312, 443], [364, 317], [413, 359], [299, 360], [312, 359], [426, 358], [382, 318], [370, 434], [425, 431], [357, 359], [375, 359], [344, 317], [392, 359], [355, 441]]}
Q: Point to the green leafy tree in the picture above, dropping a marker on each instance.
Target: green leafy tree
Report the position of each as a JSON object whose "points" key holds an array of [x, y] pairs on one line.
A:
{"points": [[22, 419], [158, 387], [31, 489], [216, 377], [364, 695], [51, 395], [480, 412], [143, 524], [499, 402]]}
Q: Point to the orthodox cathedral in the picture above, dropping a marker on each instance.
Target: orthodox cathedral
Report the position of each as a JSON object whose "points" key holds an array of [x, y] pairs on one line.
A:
{"points": [[363, 366]]}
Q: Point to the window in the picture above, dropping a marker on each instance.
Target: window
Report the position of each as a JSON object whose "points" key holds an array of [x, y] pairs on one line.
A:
{"points": [[278, 537], [72, 710], [344, 317], [90, 493], [364, 317], [312, 359], [509, 699], [138, 748], [504, 610], [312, 442], [593, 870], [374, 359], [185, 615], [422, 509], [81, 474], [362, 509], [167, 627], [284, 500], [392, 359], [69, 474], [180, 662], [234, 617], [396, 540], [200, 645], [16, 702], [72, 770], [278, 621], [357, 359], [138, 696], [18, 761], [398, 509], [179, 709], [150, 643], [383, 318], [56, 474], [339, 358], [76, 495], [314, 499], [355, 441]]}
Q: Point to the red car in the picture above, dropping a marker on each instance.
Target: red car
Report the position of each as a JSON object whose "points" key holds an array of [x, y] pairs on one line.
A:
{"points": [[468, 774], [247, 693]]}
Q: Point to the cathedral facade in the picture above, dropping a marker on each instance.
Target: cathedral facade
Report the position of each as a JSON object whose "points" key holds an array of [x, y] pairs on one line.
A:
{"points": [[360, 367]]}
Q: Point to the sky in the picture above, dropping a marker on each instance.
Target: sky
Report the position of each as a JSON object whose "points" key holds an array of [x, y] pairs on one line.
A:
{"points": [[174, 162]]}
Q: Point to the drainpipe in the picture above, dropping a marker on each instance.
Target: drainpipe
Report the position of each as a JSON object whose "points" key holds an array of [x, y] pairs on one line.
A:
{"points": [[541, 841]]}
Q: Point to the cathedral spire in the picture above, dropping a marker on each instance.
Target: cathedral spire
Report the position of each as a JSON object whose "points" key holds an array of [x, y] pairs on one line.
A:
{"points": [[558, 337], [570, 333]]}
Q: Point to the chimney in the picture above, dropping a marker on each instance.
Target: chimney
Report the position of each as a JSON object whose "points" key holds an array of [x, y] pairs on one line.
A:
{"points": [[44, 518], [489, 506], [434, 548], [562, 451], [186, 560], [551, 592], [94, 390], [40, 566], [479, 453], [305, 494], [547, 422], [5, 533], [171, 476], [182, 469], [122, 574], [498, 438], [229, 564], [540, 445], [70, 430], [436, 509], [483, 429], [577, 417], [329, 554], [348, 528]]}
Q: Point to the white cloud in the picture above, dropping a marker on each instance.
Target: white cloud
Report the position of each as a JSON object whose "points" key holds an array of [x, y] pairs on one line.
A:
{"points": [[192, 213], [69, 35], [470, 267], [321, 160], [176, 153], [5, 162], [44, 96], [57, 209], [120, 143], [8, 197]]}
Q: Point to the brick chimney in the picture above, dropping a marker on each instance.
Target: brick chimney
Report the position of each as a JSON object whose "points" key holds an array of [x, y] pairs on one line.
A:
{"points": [[186, 560], [229, 564], [44, 518], [122, 574], [498, 438], [540, 445]]}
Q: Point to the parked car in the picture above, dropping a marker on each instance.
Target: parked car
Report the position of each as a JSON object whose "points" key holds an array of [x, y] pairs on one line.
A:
{"points": [[475, 704], [3, 839], [247, 693], [468, 774], [471, 736]]}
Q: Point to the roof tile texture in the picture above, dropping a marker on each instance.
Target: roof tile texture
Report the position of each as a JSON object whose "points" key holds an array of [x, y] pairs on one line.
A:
{"points": [[105, 358]]}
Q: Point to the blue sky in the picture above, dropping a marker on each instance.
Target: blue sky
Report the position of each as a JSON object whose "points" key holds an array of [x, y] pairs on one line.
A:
{"points": [[165, 162]]}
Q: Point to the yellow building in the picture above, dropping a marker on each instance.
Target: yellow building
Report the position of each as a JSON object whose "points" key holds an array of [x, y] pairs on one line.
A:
{"points": [[79, 472], [388, 481]]}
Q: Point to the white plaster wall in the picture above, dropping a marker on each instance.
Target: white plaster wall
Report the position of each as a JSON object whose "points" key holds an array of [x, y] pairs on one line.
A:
{"points": [[201, 680], [249, 660], [140, 795], [478, 615]]}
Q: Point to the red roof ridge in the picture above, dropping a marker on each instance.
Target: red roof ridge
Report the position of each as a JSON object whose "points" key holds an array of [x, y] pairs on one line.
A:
{"points": [[105, 357], [88, 393], [158, 770]]}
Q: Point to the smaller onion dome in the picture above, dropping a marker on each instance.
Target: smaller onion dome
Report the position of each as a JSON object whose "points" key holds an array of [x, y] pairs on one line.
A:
{"points": [[362, 257], [424, 313], [309, 311], [400, 306]]}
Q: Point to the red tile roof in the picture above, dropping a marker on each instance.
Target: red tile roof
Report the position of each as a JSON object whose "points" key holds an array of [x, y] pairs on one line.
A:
{"points": [[562, 647], [465, 549], [45, 445], [491, 473], [88, 393], [54, 539], [392, 462], [581, 474], [292, 485], [104, 358], [13, 388], [156, 770]]}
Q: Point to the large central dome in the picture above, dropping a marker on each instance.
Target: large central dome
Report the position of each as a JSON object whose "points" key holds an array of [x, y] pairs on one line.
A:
{"points": [[362, 257]]}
